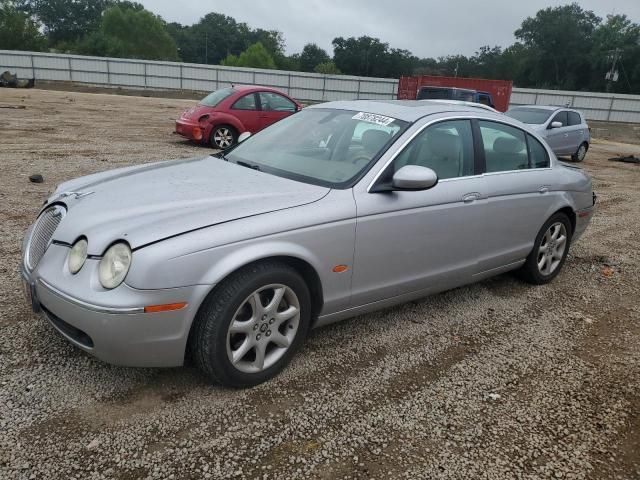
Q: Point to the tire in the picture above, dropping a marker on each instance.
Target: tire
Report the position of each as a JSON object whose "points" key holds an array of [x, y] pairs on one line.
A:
{"points": [[223, 137], [581, 152], [218, 351], [546, 260]]}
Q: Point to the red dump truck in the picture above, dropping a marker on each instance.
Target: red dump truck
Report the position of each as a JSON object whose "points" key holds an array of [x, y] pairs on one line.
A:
{"points": [[499, 90]]}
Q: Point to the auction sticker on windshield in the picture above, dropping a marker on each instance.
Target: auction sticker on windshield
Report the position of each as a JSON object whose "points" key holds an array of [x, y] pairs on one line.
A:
{"points": [[373, 118]]}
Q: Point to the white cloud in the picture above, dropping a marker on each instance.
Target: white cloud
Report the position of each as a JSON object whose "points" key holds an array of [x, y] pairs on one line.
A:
{"points": [[427, 28]]}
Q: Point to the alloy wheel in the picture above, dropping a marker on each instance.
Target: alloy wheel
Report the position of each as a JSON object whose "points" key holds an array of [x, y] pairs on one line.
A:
{"points": [[551, 249], [263, 328], [223, 138], [582, 152]]}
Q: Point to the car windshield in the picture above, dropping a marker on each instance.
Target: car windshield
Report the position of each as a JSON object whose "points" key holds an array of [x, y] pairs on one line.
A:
{"points": [[320, 146], [533, 116], [214, 98]]}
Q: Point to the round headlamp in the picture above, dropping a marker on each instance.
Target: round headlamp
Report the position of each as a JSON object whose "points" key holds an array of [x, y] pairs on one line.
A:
{"points": [[77, 255], [114, 265]]}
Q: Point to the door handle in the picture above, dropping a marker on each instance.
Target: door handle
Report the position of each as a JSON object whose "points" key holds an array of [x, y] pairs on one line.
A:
{"points": [[543, 189], [566, 135], [470, 197]]}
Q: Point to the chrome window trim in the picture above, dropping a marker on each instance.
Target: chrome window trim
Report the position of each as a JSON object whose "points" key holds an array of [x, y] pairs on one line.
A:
{"points": [[90, 306], [464, 117], [524, 170]]}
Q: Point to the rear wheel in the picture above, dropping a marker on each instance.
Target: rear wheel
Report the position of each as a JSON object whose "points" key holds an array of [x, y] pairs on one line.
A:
{"points": [[549, 251], [250, 327], [581, 152], [223, 137]]}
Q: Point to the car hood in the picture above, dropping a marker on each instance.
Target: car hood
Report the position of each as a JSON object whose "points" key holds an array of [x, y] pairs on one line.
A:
{"points": [[148, 203]]}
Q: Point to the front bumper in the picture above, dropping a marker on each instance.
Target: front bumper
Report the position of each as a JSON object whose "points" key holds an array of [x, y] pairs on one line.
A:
{"points": [[117, 331]]}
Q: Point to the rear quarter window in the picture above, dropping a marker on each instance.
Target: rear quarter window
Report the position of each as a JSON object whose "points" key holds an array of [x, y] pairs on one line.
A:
{"points": [[538, 157]]}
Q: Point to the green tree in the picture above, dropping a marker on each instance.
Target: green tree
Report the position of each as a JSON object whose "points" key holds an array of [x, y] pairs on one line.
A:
{"points": [[617, 36], [359, 56], [256, 56], [130, 33], [311, 56], [17, 30], [216, 36], [561, 39], [271, 40], [66, 20], [287, 62], [369, 56], [327, 68]]}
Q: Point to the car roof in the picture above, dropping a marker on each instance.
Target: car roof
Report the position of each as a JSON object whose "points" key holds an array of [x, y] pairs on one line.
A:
{"points": [[442, 87], [256, 88], [407, 110], [550, 108], [469, 104]]}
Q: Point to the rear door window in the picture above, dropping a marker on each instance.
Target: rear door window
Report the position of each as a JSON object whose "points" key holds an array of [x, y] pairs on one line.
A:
{"points": [[484, 99], [434, 94], [505, 147], [463, 95], [574, 118]]}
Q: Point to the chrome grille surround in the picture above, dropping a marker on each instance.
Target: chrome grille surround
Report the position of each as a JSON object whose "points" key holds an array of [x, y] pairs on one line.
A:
{"points": [[42, 233]]}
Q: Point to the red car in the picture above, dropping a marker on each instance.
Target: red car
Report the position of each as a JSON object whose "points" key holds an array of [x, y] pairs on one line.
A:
{"points": [[226, 113]]}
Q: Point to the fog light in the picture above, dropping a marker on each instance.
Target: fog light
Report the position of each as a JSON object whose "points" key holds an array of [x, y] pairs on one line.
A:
{"points": [[197, 133]]}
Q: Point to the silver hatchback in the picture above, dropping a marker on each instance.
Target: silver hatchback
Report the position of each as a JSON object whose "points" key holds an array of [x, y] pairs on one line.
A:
{"points": [[340, 209], [565, 130]]}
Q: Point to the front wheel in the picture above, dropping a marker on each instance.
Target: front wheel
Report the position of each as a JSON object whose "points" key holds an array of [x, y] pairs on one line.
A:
{"points": [[223, 137], [549, 251], [580, 153], [250, 327]]}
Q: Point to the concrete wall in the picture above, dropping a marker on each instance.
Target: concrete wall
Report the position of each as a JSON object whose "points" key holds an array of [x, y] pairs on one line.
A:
{"points": [[142, 74]]}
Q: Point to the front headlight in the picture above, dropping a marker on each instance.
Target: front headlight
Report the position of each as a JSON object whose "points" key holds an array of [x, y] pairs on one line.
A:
{"points": [[77, 256], [114, 265]]}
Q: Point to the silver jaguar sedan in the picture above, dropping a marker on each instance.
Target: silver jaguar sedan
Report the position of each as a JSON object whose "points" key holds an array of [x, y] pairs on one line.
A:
{"points": [[343, 208]]}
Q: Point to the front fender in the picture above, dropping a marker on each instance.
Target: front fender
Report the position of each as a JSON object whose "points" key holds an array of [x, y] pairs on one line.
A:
{"points": [[322, 234]]}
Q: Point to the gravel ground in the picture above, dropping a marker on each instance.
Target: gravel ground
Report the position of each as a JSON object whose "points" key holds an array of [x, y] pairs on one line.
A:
{"points": [[495, 380]]}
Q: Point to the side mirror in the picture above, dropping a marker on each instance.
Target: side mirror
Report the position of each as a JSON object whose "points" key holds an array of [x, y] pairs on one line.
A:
{"points": [[556, 124], [414, 177], [298, 108], [243, 136]]}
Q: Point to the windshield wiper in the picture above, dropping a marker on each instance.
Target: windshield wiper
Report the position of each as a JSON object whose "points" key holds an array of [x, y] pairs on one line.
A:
{"points": [[248, 165], [220, 155]]}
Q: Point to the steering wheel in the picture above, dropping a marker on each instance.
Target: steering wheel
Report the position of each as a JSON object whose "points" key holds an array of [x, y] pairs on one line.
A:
{"points": [[361, 156]]}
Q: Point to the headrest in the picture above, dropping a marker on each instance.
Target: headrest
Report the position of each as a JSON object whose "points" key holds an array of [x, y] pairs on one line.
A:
{"points": [[373, 140], [508, 145], [444, 145]]}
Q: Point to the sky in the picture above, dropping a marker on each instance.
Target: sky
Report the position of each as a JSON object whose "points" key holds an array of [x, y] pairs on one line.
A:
{"points": [[428, 28]]}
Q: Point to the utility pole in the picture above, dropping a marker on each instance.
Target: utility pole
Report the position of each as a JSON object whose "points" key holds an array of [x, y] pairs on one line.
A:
{"points": [[612, 75], [206, 48]]}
